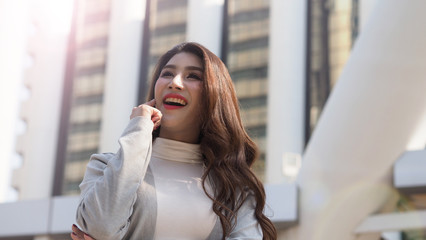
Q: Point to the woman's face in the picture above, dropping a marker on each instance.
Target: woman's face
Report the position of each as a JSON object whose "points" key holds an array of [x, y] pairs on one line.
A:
{"points": [[178, 95]]}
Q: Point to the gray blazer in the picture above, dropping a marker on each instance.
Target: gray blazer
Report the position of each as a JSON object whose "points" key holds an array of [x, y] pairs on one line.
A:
{"points": [[118, 196]]}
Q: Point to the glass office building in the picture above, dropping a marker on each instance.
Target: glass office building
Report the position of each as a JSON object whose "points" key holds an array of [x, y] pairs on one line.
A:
{"points": [[332, 30], [165, 27], [83, 99], [247, 61]]}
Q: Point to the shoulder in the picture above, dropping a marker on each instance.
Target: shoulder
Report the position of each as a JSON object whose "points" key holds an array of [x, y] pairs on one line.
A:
{"points": [[247, 226], [249, 204]]}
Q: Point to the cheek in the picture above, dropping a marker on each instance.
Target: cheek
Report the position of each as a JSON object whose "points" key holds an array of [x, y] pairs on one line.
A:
{"points": [[157, 88], [196, 90]]}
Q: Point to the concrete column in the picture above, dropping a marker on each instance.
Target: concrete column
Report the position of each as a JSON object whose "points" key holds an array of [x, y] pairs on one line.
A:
{"points": [[13, 38], [365, 9], [122, 73], [204, 24], [372, 114], [286, 92], [41, 111]]}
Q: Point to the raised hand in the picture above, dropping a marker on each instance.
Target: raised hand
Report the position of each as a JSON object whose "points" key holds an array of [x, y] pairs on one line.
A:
{"points": [[148, 110]]}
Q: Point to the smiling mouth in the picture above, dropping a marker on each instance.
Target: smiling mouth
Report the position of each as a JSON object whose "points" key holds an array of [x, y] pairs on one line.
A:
{"points": [[175, 102]]}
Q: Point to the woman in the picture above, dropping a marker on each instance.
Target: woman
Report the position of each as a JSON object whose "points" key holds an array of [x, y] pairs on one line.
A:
{"points": [[183, 167]]}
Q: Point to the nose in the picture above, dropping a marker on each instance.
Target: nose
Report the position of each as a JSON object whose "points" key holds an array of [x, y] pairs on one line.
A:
{"points": [[176, 83]]}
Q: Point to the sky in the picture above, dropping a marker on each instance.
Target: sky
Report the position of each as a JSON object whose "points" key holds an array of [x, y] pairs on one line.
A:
{"points": [[18, 23]]}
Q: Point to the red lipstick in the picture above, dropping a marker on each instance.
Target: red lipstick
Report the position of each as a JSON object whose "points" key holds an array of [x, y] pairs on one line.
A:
{"points": [[174, 101]]}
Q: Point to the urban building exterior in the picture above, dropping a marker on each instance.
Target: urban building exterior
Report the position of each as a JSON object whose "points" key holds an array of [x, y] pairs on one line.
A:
{"points": [[331, 91], [332, 30], [82, 101], [246, 50]]}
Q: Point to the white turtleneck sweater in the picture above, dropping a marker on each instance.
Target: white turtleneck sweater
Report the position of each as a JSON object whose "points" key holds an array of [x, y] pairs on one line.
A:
{"points": [[153, 191], [181, 200]]}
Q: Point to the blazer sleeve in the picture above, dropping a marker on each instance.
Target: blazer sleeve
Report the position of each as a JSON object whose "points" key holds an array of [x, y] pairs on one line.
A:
{"points": [[109, 188], [247, 227]]}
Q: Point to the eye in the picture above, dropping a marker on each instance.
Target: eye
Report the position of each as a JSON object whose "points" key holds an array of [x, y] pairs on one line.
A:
{"points": [[166, 74], [194, 76]]}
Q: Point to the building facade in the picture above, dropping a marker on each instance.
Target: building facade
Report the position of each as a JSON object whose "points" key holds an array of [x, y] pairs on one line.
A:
{"points": [[83, 97]]}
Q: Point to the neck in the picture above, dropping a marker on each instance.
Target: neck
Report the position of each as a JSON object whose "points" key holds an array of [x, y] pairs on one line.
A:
{"points": [[182, 136]]}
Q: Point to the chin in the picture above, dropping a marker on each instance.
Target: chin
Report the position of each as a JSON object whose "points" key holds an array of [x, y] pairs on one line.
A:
{"points": [[169, 123]]}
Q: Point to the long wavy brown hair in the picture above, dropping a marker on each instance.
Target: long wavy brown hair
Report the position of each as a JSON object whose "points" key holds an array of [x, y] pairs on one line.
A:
{"points": [[227, 149]]}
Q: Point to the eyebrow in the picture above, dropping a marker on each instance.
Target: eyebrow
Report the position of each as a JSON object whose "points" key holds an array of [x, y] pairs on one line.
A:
{"points": [[187, 68]]}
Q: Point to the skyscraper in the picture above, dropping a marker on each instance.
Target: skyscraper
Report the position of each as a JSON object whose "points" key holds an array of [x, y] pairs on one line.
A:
{"points": [[332, 30], [247, 61], [167, 20], [83, 96]]}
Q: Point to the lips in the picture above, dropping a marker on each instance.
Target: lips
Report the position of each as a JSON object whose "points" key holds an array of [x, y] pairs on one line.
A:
{"points": [[174, 101]]}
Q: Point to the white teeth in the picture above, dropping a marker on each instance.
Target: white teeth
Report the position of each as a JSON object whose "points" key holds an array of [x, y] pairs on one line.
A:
{"points": [[176, 100]]}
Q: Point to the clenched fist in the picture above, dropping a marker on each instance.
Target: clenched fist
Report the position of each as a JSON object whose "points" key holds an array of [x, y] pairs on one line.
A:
{"points": [[148, 110]]}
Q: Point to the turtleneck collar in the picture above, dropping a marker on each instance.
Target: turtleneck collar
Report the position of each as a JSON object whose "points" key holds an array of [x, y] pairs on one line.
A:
{"points": [[167, 149]]}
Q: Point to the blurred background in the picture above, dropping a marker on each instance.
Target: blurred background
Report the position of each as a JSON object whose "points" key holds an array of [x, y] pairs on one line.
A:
{"points": [[332, 91]]}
